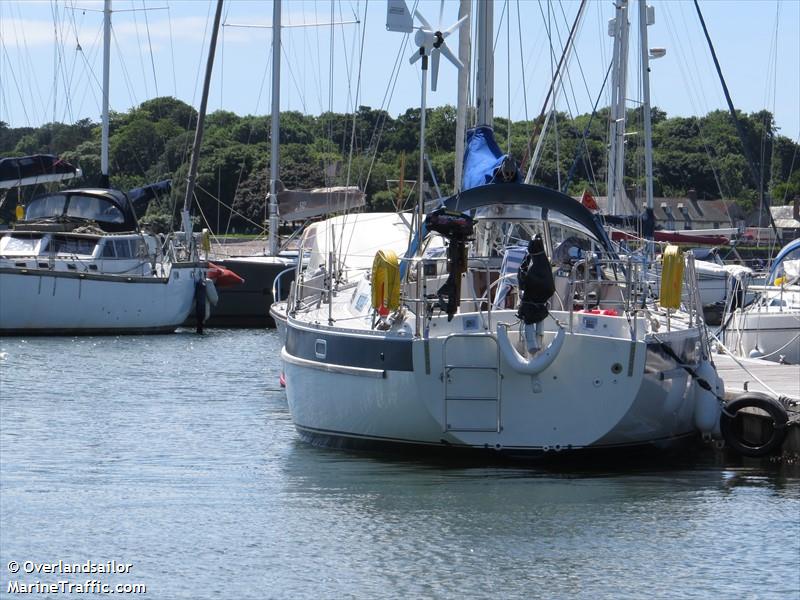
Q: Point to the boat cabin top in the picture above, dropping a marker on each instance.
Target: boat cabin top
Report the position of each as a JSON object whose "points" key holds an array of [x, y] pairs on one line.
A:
{"points": [[109, 210]]}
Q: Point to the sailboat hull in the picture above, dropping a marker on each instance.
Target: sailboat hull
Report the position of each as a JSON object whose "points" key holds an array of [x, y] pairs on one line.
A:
{"points": [[768, 333], [363, 390], [44, 302]]}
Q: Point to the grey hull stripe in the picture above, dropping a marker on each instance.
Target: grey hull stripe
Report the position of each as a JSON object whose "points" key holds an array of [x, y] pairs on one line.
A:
{"points": [[313, 364], [350, 350]]}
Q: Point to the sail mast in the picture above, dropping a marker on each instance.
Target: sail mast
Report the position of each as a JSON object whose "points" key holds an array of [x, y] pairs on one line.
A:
{"points": [[644, 21], [763, 198], [485, 75], [198, 134], [618, 28], [464, 49], [275, 128], [106, 76]]}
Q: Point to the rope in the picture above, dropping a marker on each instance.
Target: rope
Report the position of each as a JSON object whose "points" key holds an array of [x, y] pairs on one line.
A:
{"points": [[702, 382]]}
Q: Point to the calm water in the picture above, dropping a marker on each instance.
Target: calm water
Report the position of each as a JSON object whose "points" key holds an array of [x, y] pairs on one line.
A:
{"points": [[177, 454]]}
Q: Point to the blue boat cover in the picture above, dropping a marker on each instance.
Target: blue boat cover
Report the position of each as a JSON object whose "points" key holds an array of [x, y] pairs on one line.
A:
{"points": [[142, 195], [484, 161]]}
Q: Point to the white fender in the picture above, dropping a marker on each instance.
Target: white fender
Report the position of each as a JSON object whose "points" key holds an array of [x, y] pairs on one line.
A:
{"points": [[211, 292], [707, 409], [529, 366]]}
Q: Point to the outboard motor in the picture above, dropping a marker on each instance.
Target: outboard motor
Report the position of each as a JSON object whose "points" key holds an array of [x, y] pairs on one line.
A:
{"points": [[536, 287], [457, 228]]}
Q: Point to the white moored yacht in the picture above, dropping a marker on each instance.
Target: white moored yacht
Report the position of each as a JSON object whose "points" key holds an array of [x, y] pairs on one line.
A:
{"points": [[488, 346], [78, 263], [458, 371], [769, 327]]}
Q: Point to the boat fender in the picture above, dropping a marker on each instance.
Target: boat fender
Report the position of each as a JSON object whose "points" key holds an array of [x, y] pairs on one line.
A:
{"points": [[531, 365], [222, 276], [671, 278], [211, 292], [707, 408], [385, 282], [733, 436], [199, 304]]}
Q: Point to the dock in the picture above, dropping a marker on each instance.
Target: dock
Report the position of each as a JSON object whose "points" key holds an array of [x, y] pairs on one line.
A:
{"points": [[783, 379], [746, 374]]}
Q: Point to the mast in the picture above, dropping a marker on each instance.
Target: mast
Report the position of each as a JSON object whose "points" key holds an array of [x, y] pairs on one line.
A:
{"points": [[198, 134], [275, 128], [763, 198], [485, 78], [618, 28], [106, 77], [645, 20], [464, 50]]}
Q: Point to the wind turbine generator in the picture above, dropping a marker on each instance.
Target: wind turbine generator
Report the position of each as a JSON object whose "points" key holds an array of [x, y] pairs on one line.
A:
{"points": [[430, 42]]}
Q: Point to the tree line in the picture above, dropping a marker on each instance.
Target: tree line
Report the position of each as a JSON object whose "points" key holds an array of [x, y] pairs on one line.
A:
{"points": [[380, 154]]}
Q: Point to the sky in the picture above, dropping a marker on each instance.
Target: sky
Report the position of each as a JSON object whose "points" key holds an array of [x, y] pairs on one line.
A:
{"points": [[51, 57]]}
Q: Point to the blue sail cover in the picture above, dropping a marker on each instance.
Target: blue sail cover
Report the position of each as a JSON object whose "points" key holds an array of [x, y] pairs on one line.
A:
{"points": [[142, 195], [483, 160]]}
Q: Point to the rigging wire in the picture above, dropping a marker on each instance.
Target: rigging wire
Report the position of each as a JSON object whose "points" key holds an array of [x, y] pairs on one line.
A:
{"points": [[343, 249], [508, 72], [767, 132], [250, 132], [172, 52], [150, 48], [125, 74], [16, 85], [524, 84], [139, 49]]}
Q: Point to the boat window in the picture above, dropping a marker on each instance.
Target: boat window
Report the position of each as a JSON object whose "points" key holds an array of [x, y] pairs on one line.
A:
{"points": [[46, 206], [74, 245], [94, 208], [788, 268], [108, 249], [25, 245], [123, 248]]}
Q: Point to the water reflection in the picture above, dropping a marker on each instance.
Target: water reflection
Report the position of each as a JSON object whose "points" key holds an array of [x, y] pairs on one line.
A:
{"points": [[177, 453]]}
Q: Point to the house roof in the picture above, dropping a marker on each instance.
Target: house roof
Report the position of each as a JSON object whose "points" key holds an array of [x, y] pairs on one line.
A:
{"points": [[723, 212]]}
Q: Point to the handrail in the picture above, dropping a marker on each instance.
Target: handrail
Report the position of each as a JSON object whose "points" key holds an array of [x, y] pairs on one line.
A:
{"points": [[276, 284]]}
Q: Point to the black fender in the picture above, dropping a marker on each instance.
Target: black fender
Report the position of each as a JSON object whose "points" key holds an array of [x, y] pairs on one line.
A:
{"points": [[199, 304], [768, 404]]}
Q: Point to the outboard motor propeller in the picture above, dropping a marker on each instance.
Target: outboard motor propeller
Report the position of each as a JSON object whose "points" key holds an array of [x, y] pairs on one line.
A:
{"points": [[536, 286]]}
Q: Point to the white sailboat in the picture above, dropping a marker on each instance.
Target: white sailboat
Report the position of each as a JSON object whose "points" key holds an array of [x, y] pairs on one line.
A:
{"points": [[769, 327], [77, 261], [422, 351]]}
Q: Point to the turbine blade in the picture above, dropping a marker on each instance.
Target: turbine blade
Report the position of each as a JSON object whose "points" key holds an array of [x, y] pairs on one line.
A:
{"points": [[441, 12], [455, 26], [450, 56], [434, 69], [414, 57], [425, 24]]}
